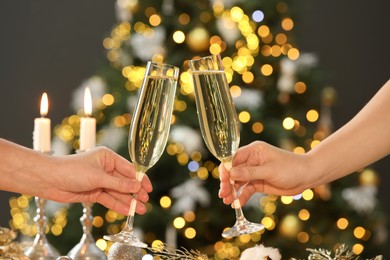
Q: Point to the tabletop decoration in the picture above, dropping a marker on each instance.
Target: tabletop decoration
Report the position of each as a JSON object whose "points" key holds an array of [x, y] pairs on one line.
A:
{"points": [[86, 249], [41, 248]]}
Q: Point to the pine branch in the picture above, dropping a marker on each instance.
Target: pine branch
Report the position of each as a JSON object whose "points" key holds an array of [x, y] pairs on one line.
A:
{"points": [[341, 253], [165, 251]]}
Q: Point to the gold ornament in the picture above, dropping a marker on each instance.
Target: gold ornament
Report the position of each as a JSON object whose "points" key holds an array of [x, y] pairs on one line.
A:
{"points": [[198, 39], [122, 251], [9, 249]]}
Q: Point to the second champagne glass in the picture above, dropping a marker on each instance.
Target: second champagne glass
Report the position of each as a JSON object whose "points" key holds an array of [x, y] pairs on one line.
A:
{"points": [[219, 125], [149, 132]]}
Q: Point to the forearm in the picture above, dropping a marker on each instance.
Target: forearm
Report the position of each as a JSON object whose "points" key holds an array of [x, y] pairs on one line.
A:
{"points": [[362, 141], [20, 168]]}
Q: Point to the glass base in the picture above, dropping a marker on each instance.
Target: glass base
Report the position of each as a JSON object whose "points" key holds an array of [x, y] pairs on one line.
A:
{"points": [[86, 249], [242, 227], [127, 238]]}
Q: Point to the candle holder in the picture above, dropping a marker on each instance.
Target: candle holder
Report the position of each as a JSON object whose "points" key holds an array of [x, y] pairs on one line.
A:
{"points": [[41, 248], [86, 248]]}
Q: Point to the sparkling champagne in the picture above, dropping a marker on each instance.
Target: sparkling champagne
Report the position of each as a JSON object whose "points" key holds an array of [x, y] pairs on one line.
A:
{"points": [[219, 126], [150, 127], [216, 112]]}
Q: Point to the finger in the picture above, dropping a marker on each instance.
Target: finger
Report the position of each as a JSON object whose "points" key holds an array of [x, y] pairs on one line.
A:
{"points": [[147, 184], [123, 197], [119, 184], [115, 162], [223, 173], [244, 153], [142, 196], [250, 173], [246, 193], [224, 189], [228, 200], [119, 206]]}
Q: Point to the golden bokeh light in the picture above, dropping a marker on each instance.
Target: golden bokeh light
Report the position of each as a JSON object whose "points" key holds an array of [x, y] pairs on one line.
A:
{"points": [[189, 216], [266, 69], [286, 199], [359, 232], [108, 99], [257, 127], [299, 150], [202, 173], [263, 31], [276, 51], [178, 37], [248, 77], [165, 202], [293, 54], [179, 222], [314, 143], [190, 233], [215, 49], [98, 221], [268, 222], [287, 24], [157, 244], [155, 20], [342, 223], [288, 123], [184, 19], [235, 91], [182, 158], [312, 115], [308, 194], [236, 13], [300, 87], [281, 38], [304, 214], [357, 249], [101, 244], [303, 237], [244, 117]]}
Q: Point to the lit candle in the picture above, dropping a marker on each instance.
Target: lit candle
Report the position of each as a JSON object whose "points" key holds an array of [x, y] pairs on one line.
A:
{"points": [[87, 124], [42, 134]]}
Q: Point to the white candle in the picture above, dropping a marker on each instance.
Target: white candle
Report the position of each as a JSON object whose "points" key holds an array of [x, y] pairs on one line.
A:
{"points": [[87, 124], [42, 133]]}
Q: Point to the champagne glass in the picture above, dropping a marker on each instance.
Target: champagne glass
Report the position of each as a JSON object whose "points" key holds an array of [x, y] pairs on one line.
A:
{"points": [[149, 131], [219, 126]]}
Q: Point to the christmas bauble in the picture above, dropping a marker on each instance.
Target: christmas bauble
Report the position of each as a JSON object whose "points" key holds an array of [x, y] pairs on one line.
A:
{"points": [[119, 251], [198, 39]]}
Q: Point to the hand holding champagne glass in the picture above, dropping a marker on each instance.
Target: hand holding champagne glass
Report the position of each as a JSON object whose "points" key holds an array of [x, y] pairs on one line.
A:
{"points": [[149, 132], [219, 126]]}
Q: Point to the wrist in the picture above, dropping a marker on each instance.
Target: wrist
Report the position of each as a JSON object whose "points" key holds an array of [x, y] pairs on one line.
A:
{"points": [[318, 168]]}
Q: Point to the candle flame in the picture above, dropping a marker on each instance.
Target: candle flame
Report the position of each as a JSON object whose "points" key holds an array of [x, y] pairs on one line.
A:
{"points": [[44, 105], [87, 102]]}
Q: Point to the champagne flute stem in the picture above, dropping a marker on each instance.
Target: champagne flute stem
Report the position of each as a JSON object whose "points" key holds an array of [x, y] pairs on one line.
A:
{"points": [[236, 202], [133, 205]]}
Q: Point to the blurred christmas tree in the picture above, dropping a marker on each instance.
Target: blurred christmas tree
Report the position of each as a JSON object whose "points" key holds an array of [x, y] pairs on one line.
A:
{"points": [[280, 99]]}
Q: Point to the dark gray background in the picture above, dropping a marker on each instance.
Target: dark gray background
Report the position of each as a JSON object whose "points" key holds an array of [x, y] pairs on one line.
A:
{"points": [[52, 45]]}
